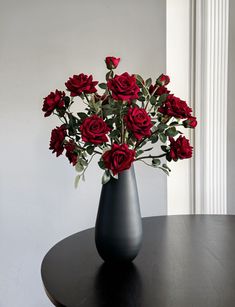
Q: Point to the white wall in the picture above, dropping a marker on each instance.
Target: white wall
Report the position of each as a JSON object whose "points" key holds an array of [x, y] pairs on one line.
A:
{"points": [[42, 44]]}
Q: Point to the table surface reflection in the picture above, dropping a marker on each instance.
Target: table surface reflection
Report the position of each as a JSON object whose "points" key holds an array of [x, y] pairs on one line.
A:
{"points": [[185, 260]]}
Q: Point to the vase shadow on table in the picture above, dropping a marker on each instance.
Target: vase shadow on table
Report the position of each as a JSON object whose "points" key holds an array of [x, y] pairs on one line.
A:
{"points": [[118, 285]]}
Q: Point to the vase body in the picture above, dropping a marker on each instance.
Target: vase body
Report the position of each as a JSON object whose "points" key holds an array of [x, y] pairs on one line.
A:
{"points": [[118, 230]]}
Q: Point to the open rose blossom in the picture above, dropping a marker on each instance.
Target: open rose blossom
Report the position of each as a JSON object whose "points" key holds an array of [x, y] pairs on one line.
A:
{"points": [[57, 140], [174, 106], [71, 153], [180, 148], [118, 119], [79, 84], [138, 122], [118, 158], [112, 62], [123, 87], [94, 130], [53, 101]]}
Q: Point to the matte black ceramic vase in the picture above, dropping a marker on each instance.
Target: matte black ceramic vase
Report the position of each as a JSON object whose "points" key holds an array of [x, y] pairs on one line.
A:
{"points": [[118, 230]]}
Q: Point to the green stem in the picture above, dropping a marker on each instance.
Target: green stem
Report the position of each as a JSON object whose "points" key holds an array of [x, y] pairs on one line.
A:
{"points": [[86, 98], [150, 98], [151, 157]]}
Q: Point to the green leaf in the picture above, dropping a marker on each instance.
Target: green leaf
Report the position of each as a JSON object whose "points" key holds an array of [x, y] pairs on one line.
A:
{"points": [[66, 101], [77, 138], [143, 143], [156, 162], [76, 181], [153, 100], [148, 149], [162, 98], [79, 167], [103, 86], [101, 164], [111, 173], [82, 115], [163, 137], [148, 82], [161, 127], [114, 134], [168, 158], [171, 131], [166, 167], [106, 177], [90, 150], [164, 148], [83, 162], [145, 91], [164, 170], [174, 123], [139, 152], [154, 138], [141, 98], [139, 78]]}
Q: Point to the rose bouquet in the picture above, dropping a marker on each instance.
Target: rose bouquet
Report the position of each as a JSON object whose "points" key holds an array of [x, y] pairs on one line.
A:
{"points": [[118, 123]]}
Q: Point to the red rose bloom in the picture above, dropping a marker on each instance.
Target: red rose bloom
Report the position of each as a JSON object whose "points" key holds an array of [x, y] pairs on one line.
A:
{"points": [[160, 90], [123, 87], [112, 62], [176, 107], [138, 122], [79, 84], [118, 158], [53, 101], [164, 79], [94, 130], [71, 154], [180, 148], [57, 140], [191, 122]]}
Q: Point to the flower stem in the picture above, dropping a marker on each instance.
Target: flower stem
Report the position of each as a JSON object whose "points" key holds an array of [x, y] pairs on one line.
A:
{"points": [[151, 157]]}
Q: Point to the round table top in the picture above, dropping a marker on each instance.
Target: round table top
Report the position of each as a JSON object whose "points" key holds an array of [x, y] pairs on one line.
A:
{"points": [[184, 261]]}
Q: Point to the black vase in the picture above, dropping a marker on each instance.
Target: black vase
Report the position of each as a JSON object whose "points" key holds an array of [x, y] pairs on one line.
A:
{"points": [[118, 230]]}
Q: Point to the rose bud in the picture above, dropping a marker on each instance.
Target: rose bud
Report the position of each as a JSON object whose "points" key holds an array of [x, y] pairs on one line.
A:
{"points": [[191, 122], [112, 62], [163, 80]]}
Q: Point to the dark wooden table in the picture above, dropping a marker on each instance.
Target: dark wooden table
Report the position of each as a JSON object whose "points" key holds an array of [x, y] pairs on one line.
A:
{"points": [[185, 261]]}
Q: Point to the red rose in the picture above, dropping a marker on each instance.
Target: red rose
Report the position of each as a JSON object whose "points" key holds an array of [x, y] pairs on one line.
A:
{"points": [[138, 122], [180, 149], [164, 79], [53, 101], [123, 87], [191, 122], [57, 140], [94, 130], [174, 106], [112, 62], [71, 153], [118, 158], [160, 90], [79, 84]]}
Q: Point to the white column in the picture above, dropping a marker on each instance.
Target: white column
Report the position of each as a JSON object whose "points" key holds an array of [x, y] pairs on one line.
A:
{"points": [[180, 188], [211, 61]]}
